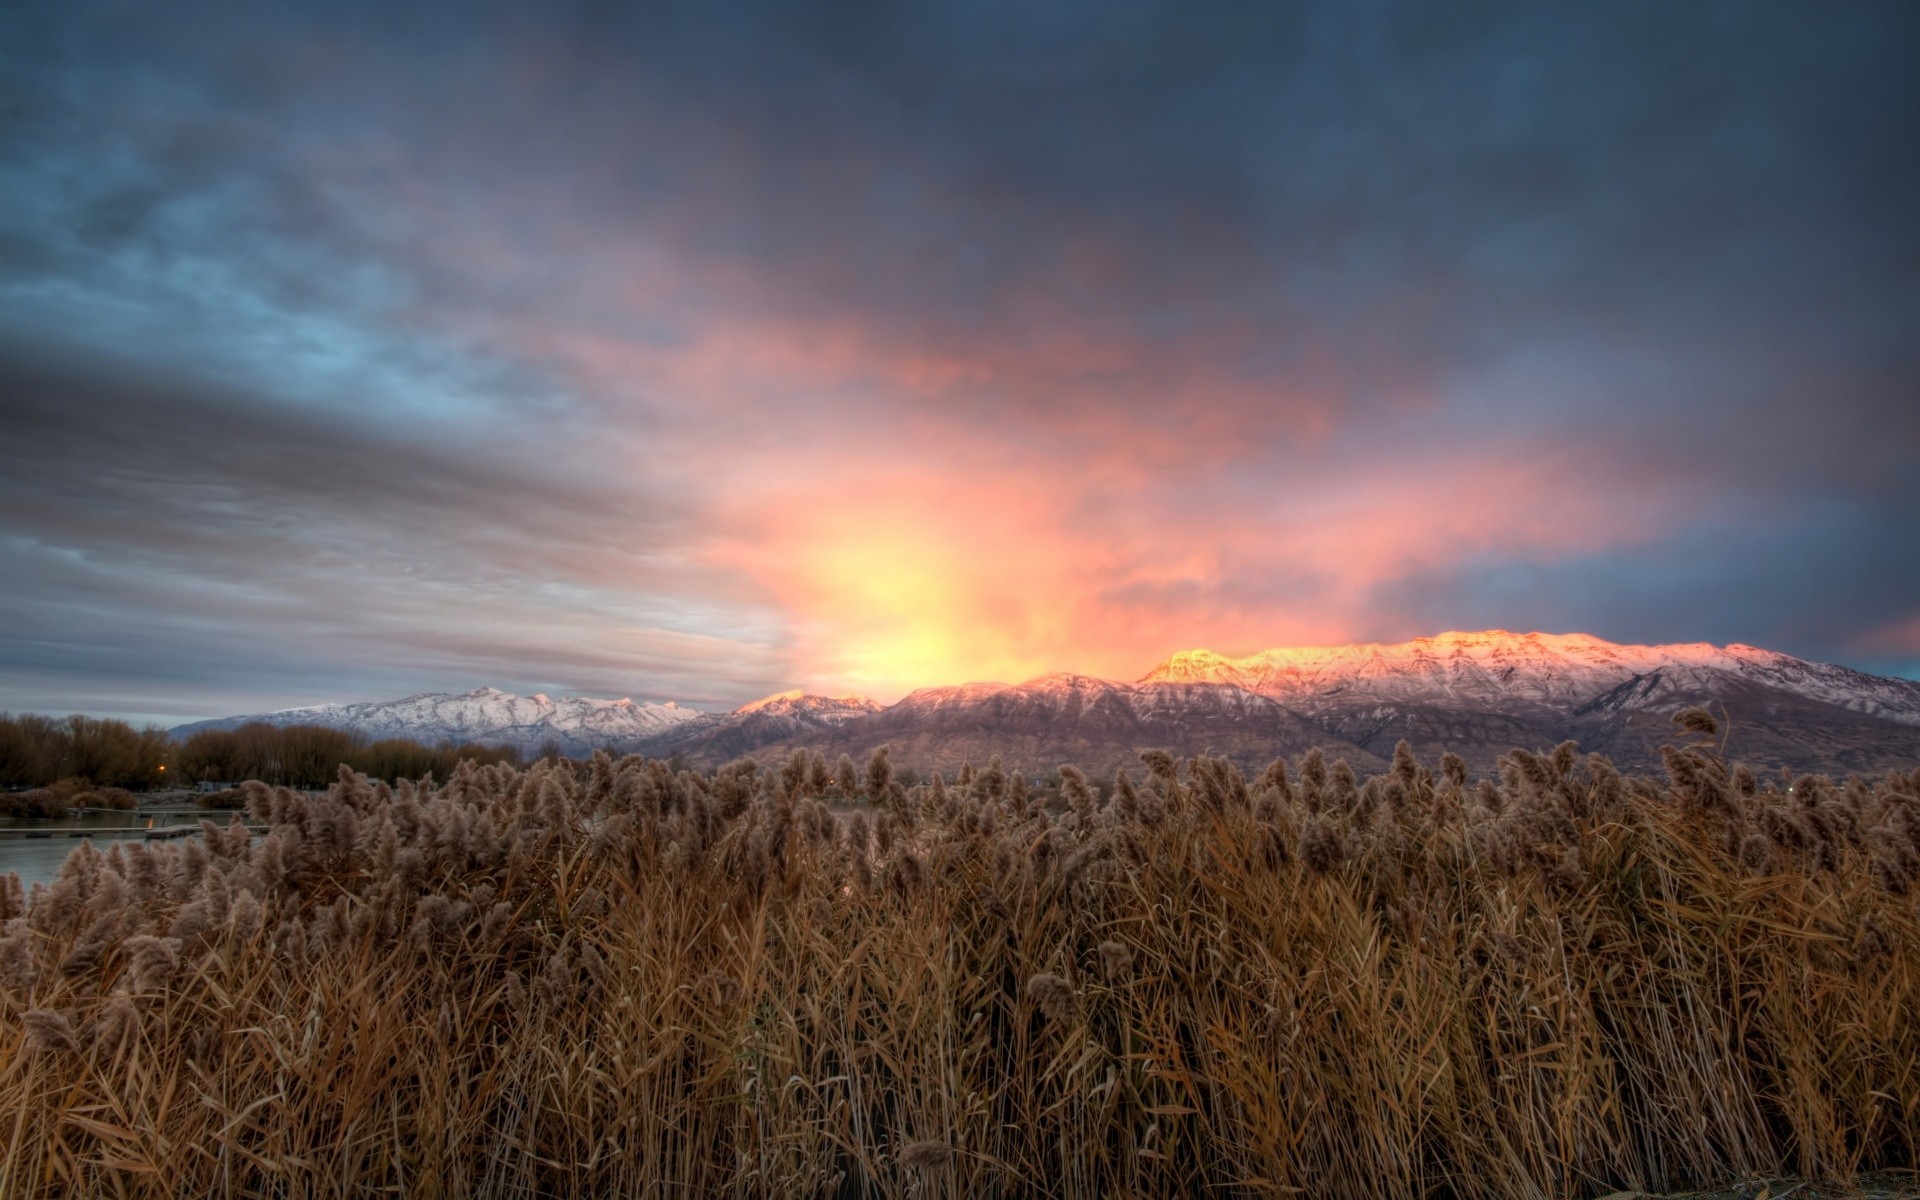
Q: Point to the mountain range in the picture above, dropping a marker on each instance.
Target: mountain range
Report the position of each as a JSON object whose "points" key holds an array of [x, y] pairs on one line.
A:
{"points": [[1477, 694]]}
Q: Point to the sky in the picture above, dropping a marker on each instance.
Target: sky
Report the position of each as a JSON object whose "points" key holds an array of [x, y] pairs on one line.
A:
{"points": [[701, 351]]}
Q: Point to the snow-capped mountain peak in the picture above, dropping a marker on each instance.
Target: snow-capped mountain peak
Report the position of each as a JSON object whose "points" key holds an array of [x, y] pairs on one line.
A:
{"points": [[797, 702], [1477, 693], [490, 716], [1501, 671]]}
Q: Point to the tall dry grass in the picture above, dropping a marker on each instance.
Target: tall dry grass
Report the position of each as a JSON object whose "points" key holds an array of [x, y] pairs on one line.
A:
{"points": [[629, 982]]}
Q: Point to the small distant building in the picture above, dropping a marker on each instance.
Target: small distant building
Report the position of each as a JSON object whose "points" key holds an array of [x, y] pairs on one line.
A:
{"points": [[210, 785]]}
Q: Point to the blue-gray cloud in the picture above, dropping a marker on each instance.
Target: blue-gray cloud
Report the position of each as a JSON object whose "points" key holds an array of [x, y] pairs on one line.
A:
{"points": [[1239, 256]]}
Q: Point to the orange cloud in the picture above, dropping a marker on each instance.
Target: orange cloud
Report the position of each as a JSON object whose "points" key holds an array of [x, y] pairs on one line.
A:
{"points": [[927, 506], [930, 567]]}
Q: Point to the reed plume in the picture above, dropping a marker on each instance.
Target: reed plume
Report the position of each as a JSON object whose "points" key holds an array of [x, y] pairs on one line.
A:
{"points": [[622, 978]]}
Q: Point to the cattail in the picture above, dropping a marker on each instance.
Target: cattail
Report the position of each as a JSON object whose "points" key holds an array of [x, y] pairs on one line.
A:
{"points": [[494, 926], [1871, 943], [989, 783], [246, 915], [600, 775], [260, 802], [724, 988], [91, 946], [1008, 863], [1160, 767], [592, 968], [1019, 795], [907, 874], [794, 773], [59, 909], [1153, 809], [1489, 798], [143, 870], [926, 1157], [49, 1032], [116, 1025], [860, 863], [1390, 793], [189, 866], [1116, 960], [1313, 768], [1322, 847], [290, 942], [1344, 787], [1079, 797], [1053, 995], [846, 777], [879, 780], [13, 896], [1126, 798], [18, 967], [1696, 720], [1274, 778], [1074, 869], [1406, 768]]}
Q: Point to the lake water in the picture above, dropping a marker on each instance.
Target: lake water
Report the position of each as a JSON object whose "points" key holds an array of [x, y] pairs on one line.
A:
{"points": [[40, 858]]}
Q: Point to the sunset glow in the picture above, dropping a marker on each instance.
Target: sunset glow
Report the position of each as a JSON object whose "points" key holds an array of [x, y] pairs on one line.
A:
{"points": [[959, 598], [695, 358]]}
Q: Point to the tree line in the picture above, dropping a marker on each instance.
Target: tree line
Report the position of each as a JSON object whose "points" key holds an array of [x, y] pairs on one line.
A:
{"points": [[311, 755], [38, 751]]}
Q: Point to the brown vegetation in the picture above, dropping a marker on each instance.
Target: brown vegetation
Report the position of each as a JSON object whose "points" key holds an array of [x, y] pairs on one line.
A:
{"points": [[307, 756], [225, 798], [35, 751], [83, 762], [626, 981], [62, 796]]}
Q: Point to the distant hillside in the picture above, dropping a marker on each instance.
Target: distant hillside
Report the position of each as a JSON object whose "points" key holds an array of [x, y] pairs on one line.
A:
{"points": [[1093, 723], [493, 717], [1476, 694], [1479, 693]]}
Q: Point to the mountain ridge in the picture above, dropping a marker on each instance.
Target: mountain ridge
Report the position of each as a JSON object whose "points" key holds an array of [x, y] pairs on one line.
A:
{"points": [[1475, 693]]}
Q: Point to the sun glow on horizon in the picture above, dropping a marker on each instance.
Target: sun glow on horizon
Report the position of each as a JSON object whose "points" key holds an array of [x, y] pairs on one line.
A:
{"points": [[897, 611]]}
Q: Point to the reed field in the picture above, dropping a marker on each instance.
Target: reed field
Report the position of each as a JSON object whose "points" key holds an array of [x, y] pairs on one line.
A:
{"points": [[612, 979]]}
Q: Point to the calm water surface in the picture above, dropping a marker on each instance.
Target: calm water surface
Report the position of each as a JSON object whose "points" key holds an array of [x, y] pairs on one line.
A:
{"points": [[40, 858]]}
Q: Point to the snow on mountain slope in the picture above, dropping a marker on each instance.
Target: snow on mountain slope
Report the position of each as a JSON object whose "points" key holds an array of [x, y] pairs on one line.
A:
{"points": [[1097, 724], [788, 717], [493, 717], [1530, 673], [823, 710], [1476, 694]]}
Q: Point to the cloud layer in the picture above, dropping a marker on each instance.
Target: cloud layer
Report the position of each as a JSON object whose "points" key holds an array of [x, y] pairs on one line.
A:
{"points": [[345, 353]]}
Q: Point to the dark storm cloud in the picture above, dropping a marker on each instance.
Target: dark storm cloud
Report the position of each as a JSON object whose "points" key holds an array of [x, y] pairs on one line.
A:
{"points": [[1254, 322], [162, 532], [1833, 581]]}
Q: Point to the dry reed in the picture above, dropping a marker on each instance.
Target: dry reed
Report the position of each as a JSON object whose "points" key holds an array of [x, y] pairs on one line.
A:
{"points": [[626, 981]]}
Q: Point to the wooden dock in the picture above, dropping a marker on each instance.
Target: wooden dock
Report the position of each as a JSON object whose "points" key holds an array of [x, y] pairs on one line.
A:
{"points": [[163, 833]]}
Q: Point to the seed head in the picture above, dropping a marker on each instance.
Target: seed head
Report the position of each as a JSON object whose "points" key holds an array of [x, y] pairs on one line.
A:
{"points": [[49, 1032], [926, 1156], [1696, 720], [1321, 846], [1053, 995]]}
